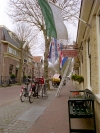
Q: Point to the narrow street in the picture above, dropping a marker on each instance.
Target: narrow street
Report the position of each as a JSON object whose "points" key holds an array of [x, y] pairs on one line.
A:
{"points": [[9, 94], [17, 116]]}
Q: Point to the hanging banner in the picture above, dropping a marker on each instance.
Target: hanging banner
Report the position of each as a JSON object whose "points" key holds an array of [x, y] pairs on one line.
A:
{"points": [[69, 53], [53, 53]]}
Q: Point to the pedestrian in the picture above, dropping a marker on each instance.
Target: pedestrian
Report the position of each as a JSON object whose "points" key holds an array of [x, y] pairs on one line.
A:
{"points": [[60, 77]]}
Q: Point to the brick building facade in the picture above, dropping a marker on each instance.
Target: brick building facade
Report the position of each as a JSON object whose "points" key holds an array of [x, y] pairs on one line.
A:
{"points": [[13, 56], [88, 40]]}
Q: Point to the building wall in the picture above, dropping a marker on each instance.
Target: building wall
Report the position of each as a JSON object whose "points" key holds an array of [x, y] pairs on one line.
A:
{"points": [[95, 80], [93, 51], [94, 57], [3, 50], [11, 55], [84, 64]]}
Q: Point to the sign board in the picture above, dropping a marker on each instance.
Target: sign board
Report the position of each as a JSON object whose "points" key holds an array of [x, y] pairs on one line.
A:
{"points": [[69, 53]]}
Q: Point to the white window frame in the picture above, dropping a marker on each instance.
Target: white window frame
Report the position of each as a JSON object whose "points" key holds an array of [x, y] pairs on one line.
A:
{"points": [[10, 50]]}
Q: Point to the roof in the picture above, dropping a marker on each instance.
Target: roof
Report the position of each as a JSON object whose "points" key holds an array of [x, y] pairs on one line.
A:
{"points": [[37, 59], [10, 37]]}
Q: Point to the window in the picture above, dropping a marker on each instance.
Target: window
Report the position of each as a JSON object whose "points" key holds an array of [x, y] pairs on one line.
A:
{"points": [[17, 53], [9, 50], [35, 64], [13, 51], [29, 60], [25, 61], [10, 69]]}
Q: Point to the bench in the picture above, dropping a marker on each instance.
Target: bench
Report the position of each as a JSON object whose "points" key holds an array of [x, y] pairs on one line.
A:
{"points": [[81, 105]]}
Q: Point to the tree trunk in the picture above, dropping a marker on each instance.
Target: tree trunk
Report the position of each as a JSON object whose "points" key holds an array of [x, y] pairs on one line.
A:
{"points": [[21, 66], [47, 43]]}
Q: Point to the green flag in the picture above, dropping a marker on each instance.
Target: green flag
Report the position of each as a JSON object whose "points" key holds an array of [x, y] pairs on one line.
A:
{"points": [[48, 17]]}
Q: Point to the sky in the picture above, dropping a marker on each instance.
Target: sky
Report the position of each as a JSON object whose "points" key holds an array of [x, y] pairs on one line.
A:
{"points": [[4, 18], [6, 21]]}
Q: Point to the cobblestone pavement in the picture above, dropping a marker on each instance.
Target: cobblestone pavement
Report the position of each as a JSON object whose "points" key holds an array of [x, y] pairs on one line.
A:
{"points": [[18, 117]]}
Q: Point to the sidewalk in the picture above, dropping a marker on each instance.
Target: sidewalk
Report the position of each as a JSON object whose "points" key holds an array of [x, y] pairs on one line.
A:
{"points": [[55, 118]]}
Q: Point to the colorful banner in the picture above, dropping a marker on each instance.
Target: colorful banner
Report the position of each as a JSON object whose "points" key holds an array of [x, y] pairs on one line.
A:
{"points": [[53, 54]]}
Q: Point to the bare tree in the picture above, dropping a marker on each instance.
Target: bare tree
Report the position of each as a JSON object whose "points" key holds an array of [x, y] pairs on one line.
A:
{"points": [[23, 33], [28, 11], [70, 9]]}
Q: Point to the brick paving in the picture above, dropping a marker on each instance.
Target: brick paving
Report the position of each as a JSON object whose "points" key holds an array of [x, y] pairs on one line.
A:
{"points": [[55, 118], [11, 112], [44, 115]]}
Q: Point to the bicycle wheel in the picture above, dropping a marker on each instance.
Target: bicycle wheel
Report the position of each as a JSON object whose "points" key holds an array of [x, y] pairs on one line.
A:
{"points": [[4, 84], [37, 90], [45, 91], [31, 97], [22, 96]]}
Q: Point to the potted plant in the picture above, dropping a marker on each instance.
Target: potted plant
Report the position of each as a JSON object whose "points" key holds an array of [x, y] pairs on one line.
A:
{"points": [[24, 78], [12, 76], [78, 78], [73, 77], [29, 76]]}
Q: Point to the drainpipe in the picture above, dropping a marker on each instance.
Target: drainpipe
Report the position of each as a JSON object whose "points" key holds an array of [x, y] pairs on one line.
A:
{"points": [[3, 66]]}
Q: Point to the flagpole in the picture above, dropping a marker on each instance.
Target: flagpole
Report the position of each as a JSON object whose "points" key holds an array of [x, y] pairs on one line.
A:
{"points": [[82, 21], [71, 14]]}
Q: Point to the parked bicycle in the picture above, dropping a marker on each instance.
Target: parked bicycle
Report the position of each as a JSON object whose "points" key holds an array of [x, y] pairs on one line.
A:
{"points": [[33, 91], [39, 86], [24, 92], [6, 83], [44, 90], [29, 92]]}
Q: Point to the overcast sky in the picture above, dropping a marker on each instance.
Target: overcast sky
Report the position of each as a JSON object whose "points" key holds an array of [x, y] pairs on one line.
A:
{"points": [[4, 18]]}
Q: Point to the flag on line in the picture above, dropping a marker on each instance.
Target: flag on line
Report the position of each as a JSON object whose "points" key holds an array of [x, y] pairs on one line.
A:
{"points": [[64, 60], [61, 56], [53, 19], [48, 17], [58, 19], [53, 52]]}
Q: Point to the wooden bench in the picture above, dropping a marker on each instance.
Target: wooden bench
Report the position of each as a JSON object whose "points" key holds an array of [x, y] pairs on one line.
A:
{"points": [[81, 105]]}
